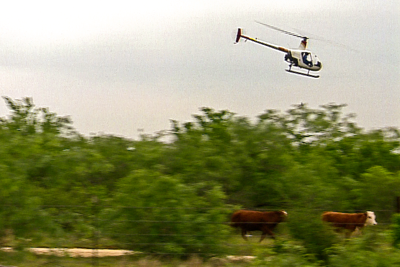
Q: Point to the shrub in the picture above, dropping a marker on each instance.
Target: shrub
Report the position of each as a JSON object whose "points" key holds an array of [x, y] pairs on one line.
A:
{"points": [[368, 250], [396, 230], [285, 253], [307, 227], [157, 213]]}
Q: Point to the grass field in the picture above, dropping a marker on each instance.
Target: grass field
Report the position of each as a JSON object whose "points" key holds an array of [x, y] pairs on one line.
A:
{"points": [[373, 248]]}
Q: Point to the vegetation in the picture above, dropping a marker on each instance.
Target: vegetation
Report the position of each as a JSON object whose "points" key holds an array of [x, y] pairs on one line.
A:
{"points": [[60, 188]]}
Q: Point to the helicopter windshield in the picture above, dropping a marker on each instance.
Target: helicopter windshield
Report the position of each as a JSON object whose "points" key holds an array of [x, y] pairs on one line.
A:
{"points": [[307, 59]]}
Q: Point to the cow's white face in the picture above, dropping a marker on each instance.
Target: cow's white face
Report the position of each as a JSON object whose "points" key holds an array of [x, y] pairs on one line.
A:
{"points": [[370, 218]]}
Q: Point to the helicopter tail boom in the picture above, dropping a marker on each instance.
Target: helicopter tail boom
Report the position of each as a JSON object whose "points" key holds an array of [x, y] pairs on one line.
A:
{"points": [[240, 35]]}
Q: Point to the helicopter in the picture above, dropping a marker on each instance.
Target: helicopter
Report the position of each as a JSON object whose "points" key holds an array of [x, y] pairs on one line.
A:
{"points": [[300, 57]]}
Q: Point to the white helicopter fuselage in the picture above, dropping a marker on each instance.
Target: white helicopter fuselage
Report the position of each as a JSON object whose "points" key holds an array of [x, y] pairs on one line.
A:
{"points": [[304, 59]]}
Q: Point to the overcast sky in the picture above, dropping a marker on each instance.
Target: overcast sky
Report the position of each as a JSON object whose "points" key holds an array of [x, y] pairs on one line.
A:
{"points": [[116, 67]]}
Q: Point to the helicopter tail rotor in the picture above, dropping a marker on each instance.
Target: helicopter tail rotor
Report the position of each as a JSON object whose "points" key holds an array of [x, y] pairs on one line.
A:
{"points": [[238, 35]]}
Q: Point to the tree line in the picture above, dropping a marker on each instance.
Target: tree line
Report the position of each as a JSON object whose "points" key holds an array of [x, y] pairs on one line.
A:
{"points": [[53, 179]]}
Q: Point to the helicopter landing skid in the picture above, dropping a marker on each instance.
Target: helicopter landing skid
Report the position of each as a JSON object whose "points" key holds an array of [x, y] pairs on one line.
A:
{"points": [[302, 73]]}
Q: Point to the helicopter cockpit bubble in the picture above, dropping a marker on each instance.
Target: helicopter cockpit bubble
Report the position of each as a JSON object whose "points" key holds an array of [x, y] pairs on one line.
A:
{"points": [[307, 59]]}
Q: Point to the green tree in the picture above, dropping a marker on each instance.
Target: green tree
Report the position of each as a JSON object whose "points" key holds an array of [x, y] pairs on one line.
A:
{"points": [[26, 119], [245, 158], [20, 208], [378, 189], [306, 126], [157, 213]]}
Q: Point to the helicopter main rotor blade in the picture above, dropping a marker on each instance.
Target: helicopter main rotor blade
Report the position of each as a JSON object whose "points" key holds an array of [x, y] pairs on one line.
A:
{"points": [[328, 41], [284, 31]]}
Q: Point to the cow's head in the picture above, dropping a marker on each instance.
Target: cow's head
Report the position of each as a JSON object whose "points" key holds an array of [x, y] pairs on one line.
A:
{"points": [[370, 218], [283, 214]]}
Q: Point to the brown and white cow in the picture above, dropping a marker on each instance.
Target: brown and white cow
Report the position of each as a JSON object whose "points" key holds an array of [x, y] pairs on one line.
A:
{"points": [[264, 221], [349, 221]]}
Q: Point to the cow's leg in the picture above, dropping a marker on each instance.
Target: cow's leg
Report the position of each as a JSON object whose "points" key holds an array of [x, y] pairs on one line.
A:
{"points": [[357, 231], [338, 230], [244, 232], [265, 232], [348, 234], [349, 231]]}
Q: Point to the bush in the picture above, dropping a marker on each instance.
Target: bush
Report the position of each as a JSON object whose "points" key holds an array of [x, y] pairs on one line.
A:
{"points": [[157, 213], [285, 253], [317, 238], [368, 250], [396, 230]]}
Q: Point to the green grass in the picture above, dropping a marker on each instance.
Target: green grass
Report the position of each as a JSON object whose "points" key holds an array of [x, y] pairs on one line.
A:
{"points": [[25, 259], [373, 248]]}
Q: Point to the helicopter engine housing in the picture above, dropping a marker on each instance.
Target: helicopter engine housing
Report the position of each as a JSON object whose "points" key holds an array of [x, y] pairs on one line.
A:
{"points": [[289, 58]]}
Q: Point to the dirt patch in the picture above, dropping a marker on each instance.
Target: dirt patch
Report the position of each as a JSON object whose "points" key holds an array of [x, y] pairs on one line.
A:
{"points": [[77, 252]]}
